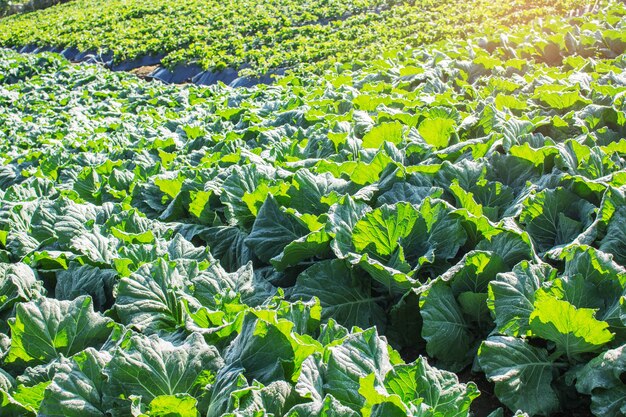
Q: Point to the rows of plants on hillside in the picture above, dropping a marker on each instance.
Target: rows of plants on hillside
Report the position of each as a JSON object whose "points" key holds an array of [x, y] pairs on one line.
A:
{"points": [[257, 36], [269, 251]]}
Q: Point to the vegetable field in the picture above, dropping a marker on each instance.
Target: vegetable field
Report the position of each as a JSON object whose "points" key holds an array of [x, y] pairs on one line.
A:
{"points": [[257, 36], [341, 243]]}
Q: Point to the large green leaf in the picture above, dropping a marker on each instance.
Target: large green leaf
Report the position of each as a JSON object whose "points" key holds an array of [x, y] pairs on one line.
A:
{"points": [[436, 131], [214, 286], [227, 244], [522, 374], [315, 244], [511, 246], [329, 407], [400, 237], [555, 217], [409, 193], [23, 401], [440, 390], [150, 367], [376, 398], [309, 190], [97, 247], [474, 272], [358, 356], [148, 299], [601, 378], [603, 284], [178, 405], [380, 231], [344, 296], [229, 380], [44, 330], [17, 284], [275, 399], [615, 240], [76, 389], [574, 331], [273, 229], [512, 296], [437, 235], [342, 218], [241, 180], [86, 280], [562, 100], [384, 132], [268, 349], [448, 336]]}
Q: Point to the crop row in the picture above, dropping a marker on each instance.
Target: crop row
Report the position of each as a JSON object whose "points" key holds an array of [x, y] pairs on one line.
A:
{"points": [[257, 36]]}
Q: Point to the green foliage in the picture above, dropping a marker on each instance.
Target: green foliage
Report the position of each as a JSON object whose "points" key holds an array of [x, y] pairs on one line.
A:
{"points": [[176, 250], [287, 34]]}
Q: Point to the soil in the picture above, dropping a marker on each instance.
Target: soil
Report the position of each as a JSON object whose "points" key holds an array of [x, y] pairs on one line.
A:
{"points": [[144, 72]]}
